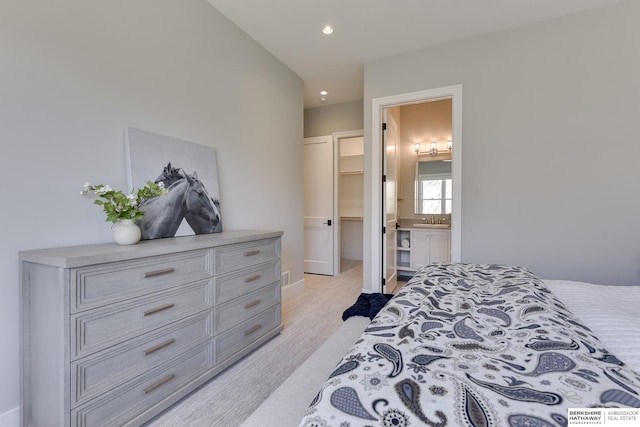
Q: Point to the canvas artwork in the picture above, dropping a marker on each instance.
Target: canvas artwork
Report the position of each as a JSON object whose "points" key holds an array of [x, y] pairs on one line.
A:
{"points": [[188, 171]]}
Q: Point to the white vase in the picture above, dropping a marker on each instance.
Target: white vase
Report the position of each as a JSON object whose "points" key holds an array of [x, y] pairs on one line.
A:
{"points": [[126, 232]]}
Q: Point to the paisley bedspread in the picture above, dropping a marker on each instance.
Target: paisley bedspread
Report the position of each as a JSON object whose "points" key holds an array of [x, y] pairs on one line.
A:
{"points": [[472, 345]]}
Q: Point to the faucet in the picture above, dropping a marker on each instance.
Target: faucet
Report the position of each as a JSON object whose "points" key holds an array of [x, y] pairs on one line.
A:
{"points": [[433, 220]]}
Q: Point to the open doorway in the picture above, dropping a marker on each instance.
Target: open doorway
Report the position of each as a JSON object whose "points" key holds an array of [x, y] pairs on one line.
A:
{"points": [[424, 186], [374, 262], [333, 202], [349, 191]]}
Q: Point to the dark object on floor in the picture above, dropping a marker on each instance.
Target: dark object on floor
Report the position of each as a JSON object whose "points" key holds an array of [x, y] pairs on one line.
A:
{"points": [[367, 305]]}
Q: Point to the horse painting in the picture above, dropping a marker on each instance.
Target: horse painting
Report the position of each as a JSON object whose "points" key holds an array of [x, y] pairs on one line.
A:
{"points": [[202, 211], [169, 175], [187, 199]]}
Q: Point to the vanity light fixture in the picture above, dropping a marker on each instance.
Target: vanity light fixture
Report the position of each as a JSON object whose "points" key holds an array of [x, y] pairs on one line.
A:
{"points": [[328, 29], [416, 147], [434, 149], [450, 146]]}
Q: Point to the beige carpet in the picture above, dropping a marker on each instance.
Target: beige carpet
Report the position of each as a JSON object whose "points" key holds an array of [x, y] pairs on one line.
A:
{"points": [[309, 319], [288, 404]]}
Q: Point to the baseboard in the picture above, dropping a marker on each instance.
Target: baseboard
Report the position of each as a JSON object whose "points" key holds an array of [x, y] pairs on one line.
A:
{"points": [[10, 418], [291, 291]]}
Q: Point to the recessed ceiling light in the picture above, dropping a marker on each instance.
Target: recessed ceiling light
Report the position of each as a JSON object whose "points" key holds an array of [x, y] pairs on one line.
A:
{"points": [[323, 99], [323, 92], [328, 29]]}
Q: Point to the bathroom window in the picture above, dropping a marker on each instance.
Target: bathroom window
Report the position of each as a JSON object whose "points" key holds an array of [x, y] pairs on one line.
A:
{"points": [[434, 194]]}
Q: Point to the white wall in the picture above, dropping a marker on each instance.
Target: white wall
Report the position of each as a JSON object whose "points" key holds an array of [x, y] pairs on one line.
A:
{"points": [[543, 106], [333, 118], [75, 73]]}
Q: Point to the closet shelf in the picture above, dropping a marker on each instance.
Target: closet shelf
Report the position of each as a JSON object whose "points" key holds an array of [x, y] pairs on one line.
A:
{"points": [[351, 172], [351, 218]]}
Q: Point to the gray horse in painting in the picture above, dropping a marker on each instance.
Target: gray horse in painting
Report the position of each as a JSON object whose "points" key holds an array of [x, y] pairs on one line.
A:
{"points": [[203, 211], [202, 219], [170, 175], [187, 199]]}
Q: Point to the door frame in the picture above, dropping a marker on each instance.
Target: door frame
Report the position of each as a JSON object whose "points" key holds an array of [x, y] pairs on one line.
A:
{"points": [[327, 139], [387, 117], [337, 136], [373, 212]]}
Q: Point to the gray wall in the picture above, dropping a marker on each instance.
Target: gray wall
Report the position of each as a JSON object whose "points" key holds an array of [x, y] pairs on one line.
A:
{"points": [[75, 73], [327, 120], [543, 106]]}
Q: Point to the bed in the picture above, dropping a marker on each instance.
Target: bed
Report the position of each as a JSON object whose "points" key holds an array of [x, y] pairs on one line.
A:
{"points": [[481, 345]]}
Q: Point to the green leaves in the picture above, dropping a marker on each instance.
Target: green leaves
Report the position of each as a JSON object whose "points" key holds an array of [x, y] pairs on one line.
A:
{"points": [[150, 191], [116, 205]]}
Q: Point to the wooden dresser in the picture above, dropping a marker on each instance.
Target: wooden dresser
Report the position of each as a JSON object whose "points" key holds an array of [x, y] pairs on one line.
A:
{"points": [[113, 335]]}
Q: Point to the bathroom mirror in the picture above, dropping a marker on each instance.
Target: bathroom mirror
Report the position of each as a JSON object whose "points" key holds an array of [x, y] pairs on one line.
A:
{"points": [[433, 187]]}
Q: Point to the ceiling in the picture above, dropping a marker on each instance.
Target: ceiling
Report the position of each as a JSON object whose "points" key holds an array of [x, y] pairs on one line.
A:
{"points": [[370, 29]]}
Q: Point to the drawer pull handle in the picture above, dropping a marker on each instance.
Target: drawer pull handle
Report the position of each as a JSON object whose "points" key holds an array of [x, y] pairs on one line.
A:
{"points": [[252, 278], [252, 330], [158, 272], [158, 384], [252, 304], [159, 346], [252, 253], [157, 309]]}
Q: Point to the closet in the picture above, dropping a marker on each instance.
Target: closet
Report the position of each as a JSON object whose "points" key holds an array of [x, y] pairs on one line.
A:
{"points": [[351, 195]]}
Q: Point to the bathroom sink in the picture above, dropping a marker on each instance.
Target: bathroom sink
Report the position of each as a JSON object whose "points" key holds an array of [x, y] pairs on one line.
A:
{"points": [[422, 225]]}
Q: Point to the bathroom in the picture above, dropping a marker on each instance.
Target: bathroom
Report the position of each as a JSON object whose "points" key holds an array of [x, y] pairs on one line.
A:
{"points": [[424, 183]]}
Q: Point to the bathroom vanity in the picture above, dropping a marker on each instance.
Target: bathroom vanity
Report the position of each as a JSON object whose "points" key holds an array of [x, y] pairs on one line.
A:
{"points": [[421, 245]]}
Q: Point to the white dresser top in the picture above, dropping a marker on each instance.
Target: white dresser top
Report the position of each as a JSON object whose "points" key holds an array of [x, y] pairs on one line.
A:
{"points": [[78, 256]]}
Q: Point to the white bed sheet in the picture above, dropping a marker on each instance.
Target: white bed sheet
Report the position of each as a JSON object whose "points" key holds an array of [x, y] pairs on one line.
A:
{"points": [[611, 312]]}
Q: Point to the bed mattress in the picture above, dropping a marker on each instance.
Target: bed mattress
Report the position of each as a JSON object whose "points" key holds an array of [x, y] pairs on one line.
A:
{"points": [[476, 345], [611, 312]]}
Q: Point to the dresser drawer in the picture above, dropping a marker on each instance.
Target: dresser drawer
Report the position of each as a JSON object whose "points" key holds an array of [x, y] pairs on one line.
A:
{"points": [[233, 313], [108, 283], [242, 255], [132, 399], [98, 329], [94, 375], [230, 342], [235, 284], [114, 335]]}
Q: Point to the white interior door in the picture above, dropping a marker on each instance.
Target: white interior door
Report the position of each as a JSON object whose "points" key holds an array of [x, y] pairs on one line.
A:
{"points": [[390, 202], [318, 205]]}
